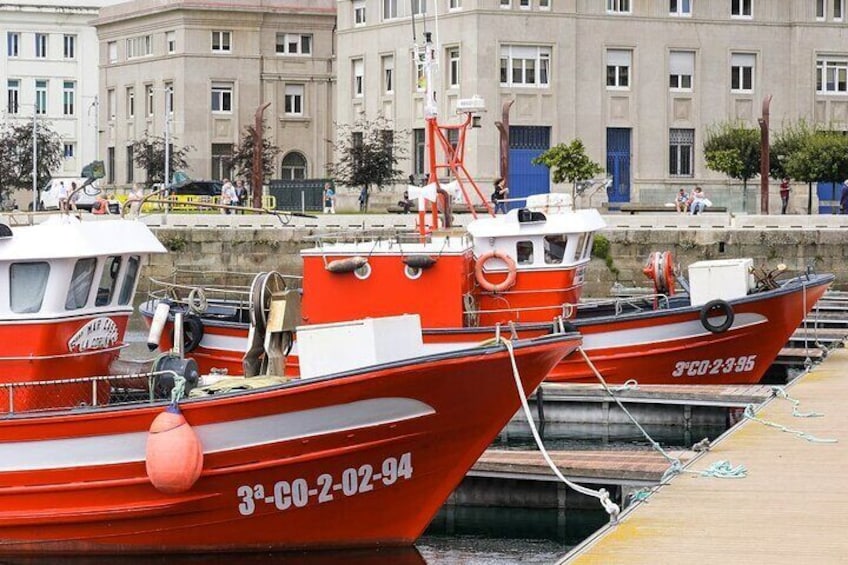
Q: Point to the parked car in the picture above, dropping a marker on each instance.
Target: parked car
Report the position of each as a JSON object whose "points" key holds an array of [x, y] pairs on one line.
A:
{"points": [[197, 188], [84, 199]]}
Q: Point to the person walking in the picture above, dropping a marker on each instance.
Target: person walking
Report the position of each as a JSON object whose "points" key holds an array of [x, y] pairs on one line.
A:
{"points": [[228, 196], [363, 199], [134, 200], [241, 194], [784, 195]]}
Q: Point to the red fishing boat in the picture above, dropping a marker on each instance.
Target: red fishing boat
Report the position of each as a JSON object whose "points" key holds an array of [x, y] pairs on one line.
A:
{"points": [[524, 268], [361, 452], [70, 289]]}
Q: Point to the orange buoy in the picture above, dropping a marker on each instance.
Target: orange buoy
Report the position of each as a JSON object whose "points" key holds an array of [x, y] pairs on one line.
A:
{"points": [[174, 454]]}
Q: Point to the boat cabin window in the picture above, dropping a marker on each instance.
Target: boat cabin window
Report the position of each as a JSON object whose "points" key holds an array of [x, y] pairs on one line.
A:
{"points": [[108, 281], [580, 248], [27, 283], [587, 248], [524, 252], [129, 280], [81, 282], [555, 248]]}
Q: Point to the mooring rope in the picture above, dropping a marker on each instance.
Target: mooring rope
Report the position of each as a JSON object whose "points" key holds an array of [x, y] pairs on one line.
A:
{"points": [[780, 392], [601, 494], [751, 415]]}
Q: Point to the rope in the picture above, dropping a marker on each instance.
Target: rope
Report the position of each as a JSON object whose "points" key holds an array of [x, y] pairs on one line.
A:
{"points": [[178, 392], [780, 392], [629, 384], [724, 470], [749, 414], [601, 494]]}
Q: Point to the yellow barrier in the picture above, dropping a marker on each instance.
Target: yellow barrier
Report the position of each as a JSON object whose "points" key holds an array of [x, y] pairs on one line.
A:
{"points": [[187, 203]]}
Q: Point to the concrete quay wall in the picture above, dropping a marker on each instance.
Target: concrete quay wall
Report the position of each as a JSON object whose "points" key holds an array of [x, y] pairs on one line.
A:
{"points": [[259, 243]]}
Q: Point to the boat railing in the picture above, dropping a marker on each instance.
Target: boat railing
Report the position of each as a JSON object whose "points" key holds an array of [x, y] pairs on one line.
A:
{"points": [[83, 393], [202, 290], [379, 236], [616, 306]]}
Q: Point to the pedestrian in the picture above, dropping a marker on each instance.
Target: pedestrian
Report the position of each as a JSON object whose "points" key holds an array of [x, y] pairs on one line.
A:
{"points": [[134, 200], [681, 201], [329, 198], [784, 195], [241, 194], [62, 197], [843, 199], [500, 194], [228, 196], [405, 204], [363, 199], [101, 205], [698, 201]]}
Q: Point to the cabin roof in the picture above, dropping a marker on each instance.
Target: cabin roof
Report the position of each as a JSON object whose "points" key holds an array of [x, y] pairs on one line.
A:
{"points": [[59, 238], [577, 221]]}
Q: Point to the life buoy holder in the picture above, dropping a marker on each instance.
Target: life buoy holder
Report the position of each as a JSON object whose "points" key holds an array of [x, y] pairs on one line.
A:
{"points": [[192, 333], [488, 285], [717, 307]]}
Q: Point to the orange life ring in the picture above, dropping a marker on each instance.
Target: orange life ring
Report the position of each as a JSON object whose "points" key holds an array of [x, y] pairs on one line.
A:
{"points": [[484, 283]]}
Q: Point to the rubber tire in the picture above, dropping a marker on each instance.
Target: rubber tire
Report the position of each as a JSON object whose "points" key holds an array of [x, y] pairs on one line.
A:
{"points": [[192, 333], [709, 308]]}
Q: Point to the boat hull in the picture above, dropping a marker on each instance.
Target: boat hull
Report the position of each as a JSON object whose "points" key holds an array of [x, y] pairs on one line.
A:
{"points": [[659, 347], [354, 459]]}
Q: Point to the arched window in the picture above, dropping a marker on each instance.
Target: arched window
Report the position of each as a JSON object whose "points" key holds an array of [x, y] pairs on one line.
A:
{"points": [[294, 166]]}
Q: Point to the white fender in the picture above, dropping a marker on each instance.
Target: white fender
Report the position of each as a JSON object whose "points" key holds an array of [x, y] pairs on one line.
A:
{"points": [[160, 316]]}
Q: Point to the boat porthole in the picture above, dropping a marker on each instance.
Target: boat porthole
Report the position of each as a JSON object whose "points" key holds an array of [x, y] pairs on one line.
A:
{"points": [[412, 273], [363, 272]]}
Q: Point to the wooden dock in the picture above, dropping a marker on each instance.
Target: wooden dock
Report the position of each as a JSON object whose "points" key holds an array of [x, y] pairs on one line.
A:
{"points": [[791, 508]]}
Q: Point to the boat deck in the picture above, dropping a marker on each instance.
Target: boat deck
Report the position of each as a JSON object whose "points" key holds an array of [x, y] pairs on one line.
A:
{"points": [[789, 509]]}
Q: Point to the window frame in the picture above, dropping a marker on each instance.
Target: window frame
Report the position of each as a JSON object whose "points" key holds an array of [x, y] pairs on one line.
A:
{"points": [[43, 280], [69, 97], [304, 44], [677, 9], [222, 45], [13, 44], [738, 74], [42, 87], [293, 101], [742, 9], [13, 96], [41, 46], [837, 65], [454, 5], [541, 67], [619, 7], [171, 42], [387, 62], [360, 14], [80, 279], [622, 81], [69, 46], [454, 58], [222, 89], [389, 10], [681, 152], [149, 101], [358, 75], [681, 76]]}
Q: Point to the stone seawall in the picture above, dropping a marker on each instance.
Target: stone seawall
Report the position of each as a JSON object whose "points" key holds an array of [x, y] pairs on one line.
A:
{"points": [[249, 250]]}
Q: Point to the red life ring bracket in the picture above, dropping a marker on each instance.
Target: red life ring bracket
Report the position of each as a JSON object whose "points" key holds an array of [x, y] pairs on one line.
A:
{"points": [[485, 283]]}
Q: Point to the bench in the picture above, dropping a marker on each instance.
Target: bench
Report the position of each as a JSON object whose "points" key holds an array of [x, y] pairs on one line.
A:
{"points": [[635, 208]]}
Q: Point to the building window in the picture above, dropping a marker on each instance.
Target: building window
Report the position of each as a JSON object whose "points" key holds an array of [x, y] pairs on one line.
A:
{"points": [[681, 152], [419, 7], [618, 6], [294, 166], [13, 43], [741, 8], [294, 44], [618, 68], [294, 99], [838, 9], [169, 98], [681, 68], [453, 67], [524, 4], [69, 43], [41, 45], [69, 150], [681, 8], [221, 41], [13, 93], [544, 4], [454, 4], [130, 169], [388, 64], [68, 97], [41, 97], [358, 12], [820, 9], [358, 78], [418, 150], [506, 4], [390, 9], [742, 72], [130, 102], [525, 65], [222, 154], [111, 103], [832, 76], [171, 41], [222, 98], [140, 46], [110, 165], [112, 48], [148, 100]]}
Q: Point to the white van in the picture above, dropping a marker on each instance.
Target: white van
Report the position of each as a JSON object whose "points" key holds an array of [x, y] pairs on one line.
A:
{"points": [[84, 200]]}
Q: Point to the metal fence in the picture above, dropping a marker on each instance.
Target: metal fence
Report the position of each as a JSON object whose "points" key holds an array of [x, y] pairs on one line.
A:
{"points": [[302, 195]]}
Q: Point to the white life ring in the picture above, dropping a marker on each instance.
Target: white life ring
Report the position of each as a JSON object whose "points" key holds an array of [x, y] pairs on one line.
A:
{"points": [[486, 284]]}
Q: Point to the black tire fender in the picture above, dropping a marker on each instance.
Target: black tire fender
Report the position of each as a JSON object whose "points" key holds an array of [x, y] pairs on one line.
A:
{"points": [[719, 307], [192, 333]]}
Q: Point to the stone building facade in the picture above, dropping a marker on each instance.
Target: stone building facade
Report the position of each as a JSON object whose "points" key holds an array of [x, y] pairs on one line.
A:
{"points": [[213, 63], [639, 81]]}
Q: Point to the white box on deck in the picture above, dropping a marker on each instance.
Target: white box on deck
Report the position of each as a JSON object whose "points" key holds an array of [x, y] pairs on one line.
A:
{"points": [[725, 279], [341, 346]]}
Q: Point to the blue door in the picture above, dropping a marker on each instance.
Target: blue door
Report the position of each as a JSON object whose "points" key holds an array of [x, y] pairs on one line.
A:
{"points": [[618, 166], [525, 144], [829, 194]]}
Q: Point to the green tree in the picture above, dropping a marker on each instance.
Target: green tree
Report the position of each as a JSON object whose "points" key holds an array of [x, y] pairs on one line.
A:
{"points": [[16, 155], [569, 163], [822, 157], [242, 157], [368, 153], [149, 154], [733, 149]]}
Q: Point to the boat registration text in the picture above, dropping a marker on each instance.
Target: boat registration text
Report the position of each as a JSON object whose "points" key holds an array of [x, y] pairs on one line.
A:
{"points": [[299, 492], [725, 366]]}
